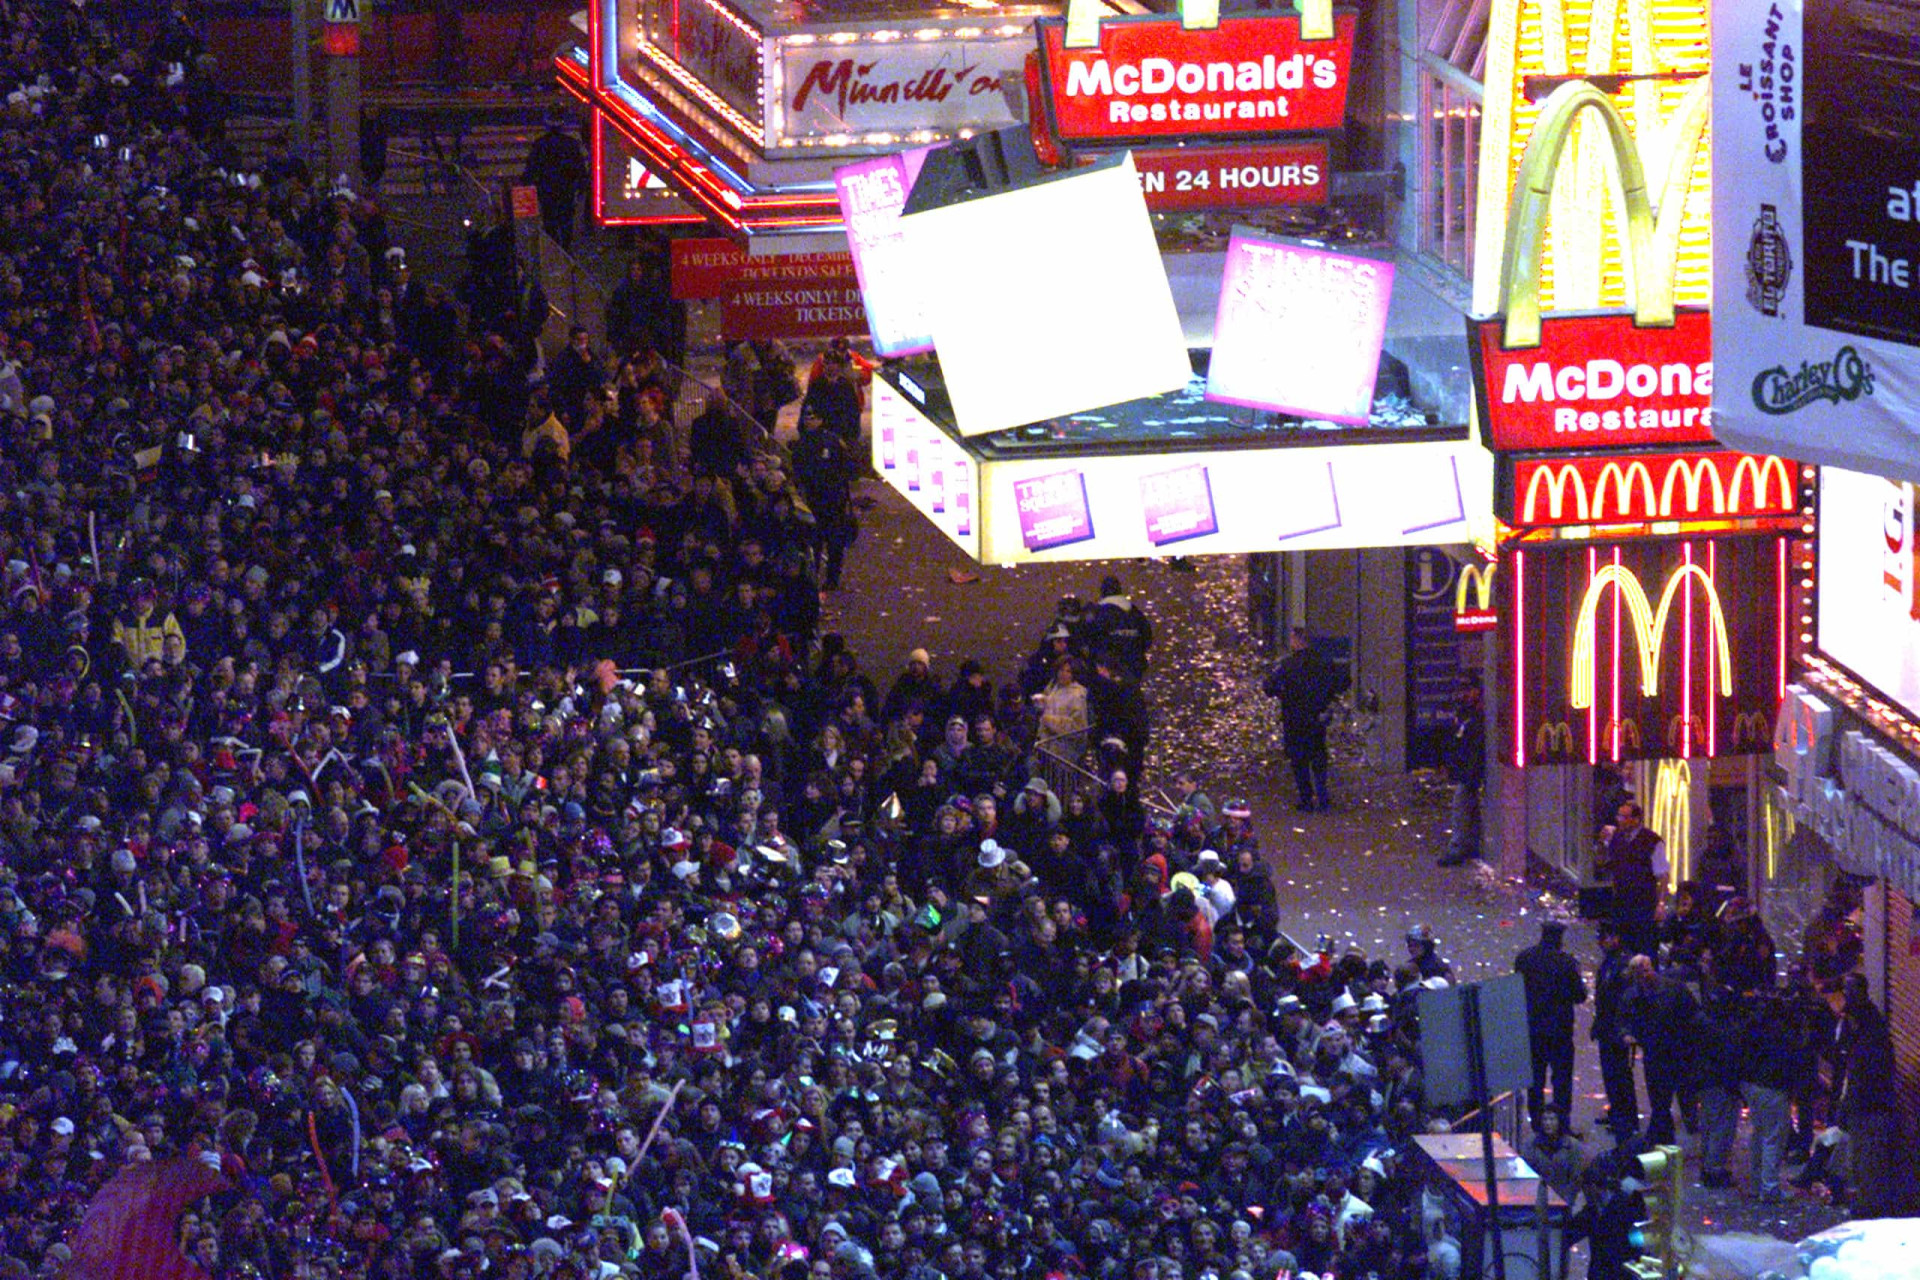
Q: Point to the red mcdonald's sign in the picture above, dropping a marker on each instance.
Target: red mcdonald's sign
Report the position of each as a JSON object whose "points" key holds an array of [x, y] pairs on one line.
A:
{"points": [[1639, 488]]}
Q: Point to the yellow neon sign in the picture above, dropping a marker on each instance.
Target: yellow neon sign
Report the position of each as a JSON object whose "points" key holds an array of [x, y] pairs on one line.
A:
{"points": [[1665, 43], [1673, 817], [1648, 628], [1477, 578]]}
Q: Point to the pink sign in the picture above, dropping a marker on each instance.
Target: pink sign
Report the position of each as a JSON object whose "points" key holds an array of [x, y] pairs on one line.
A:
{"points": [[872, 194], [1053, 510], [1299, 330], [1178, 505]]}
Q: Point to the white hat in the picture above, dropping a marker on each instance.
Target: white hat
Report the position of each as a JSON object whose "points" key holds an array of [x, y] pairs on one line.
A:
{"points": [[62, 1126], [991, 854], [1343, 1002]]}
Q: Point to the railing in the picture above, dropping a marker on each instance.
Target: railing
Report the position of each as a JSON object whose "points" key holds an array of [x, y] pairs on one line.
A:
{"points": [[1449, 106]]}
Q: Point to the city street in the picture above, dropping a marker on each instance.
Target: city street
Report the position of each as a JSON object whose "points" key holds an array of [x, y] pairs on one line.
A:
{"points": [[1361, 873]]}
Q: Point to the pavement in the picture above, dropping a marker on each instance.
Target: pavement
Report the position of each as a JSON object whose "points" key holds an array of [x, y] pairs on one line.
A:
{"points": [[1361, 873]]}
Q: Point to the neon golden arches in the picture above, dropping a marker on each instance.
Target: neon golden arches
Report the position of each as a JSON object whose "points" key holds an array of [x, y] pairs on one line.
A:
{"points": [[1622, 580], [1646, 625], [1651, 276]]}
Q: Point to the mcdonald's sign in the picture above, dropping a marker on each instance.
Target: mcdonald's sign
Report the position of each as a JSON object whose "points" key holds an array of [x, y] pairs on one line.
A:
{"points": [[1640, 488], [1473, 598], [1607, 380], [1643, 648]]}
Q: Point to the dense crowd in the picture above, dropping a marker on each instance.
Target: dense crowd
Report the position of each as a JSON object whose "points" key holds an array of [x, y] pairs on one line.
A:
{"points": [[428, 799]]}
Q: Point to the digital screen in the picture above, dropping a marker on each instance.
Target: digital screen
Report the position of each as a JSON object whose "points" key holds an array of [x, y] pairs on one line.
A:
{"points": [[1299, 330]]}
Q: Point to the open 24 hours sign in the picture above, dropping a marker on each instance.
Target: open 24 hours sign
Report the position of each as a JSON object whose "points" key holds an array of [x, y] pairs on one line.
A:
{"points": [[1150, 79]]}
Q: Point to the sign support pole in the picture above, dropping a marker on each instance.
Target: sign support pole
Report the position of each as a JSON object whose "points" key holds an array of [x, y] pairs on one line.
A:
{"points": [[300, 52], [1477, 1068]]}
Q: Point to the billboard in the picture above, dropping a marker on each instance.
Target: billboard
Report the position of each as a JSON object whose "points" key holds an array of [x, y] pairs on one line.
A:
{"points": [[1817, 152], [1643, 649], [1031, 327], [1299, 330], [1177, 501], [1643, 488], [872, 193], [1595, 382], [1868, 611], [1152, 78], [847, 88], [927, 466]]}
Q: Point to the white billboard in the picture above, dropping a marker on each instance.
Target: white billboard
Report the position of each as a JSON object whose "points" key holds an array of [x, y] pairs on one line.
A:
{"points": [[1868, 611], [1816, 154], [1048, 299]]}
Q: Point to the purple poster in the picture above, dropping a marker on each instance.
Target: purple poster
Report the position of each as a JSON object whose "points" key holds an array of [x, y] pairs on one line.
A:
{"points": [[1299, 330], [1053, 510], [1178, 505], [872, 194]]}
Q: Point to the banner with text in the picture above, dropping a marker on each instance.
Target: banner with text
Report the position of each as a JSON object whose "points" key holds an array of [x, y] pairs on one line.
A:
{"points": [[872, 194], [851, 90], [1595, 382], [1151, 78], [1255, 176], [1816, 199]]}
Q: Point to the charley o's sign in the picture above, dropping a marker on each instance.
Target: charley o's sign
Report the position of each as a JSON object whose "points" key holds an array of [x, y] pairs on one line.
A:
{"points": [[1152, 77]]}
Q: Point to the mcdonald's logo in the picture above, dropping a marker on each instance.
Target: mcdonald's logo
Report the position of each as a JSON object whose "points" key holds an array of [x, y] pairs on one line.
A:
{"points": [[1622, 478], [1610, 379], [1645, 487], [1686, 734], [1475, 584], [1645, 626], [1752, 729], [1553, 741]]}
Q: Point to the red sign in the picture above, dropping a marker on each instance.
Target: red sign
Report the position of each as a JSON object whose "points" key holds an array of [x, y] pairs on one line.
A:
{"points": [[707, 269], [1152, 78], [794, 296], [1637, 488], [1596, 382], [1248, 177]]}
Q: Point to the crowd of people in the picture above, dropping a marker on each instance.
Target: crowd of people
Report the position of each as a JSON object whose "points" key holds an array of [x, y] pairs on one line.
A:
{"points": [[428, 801]]}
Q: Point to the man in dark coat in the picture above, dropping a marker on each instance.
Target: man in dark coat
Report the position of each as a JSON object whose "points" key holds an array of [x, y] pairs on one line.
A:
{"points": [[1660, 1014], [1866, 1104], [1554, 989], [1306, 685], [1609, 1032], [1467, 771], [557, 169], [1118, 631], [826, 473], [1636, 862]]}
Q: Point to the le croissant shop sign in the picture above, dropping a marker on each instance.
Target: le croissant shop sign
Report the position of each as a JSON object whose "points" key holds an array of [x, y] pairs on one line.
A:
{"points": [[1593, 381], [1151, 77]]}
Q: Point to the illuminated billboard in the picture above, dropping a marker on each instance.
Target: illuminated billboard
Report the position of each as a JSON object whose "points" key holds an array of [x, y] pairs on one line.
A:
{"points": [[1644, 488], [1817, 251], [1299, 330], [1868, 610], [1032, 326], [1247, 176], [1151, 78], [926, 466], [850, 89], [872, 194], [1178, 497], [1642, 649]]}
